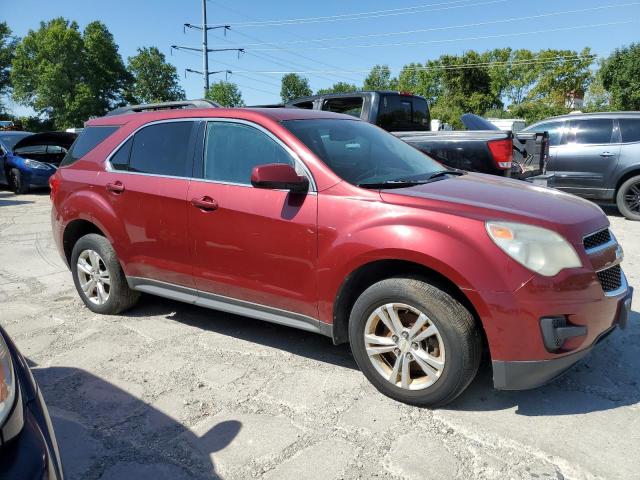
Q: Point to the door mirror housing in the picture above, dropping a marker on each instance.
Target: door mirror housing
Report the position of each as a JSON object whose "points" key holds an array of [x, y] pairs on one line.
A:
{"points": [[278, 176]]}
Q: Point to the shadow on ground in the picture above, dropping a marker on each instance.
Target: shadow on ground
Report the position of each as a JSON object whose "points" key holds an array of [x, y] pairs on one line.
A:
{"points": [[9, 199], [608, 378], [106, 433], [298, 342]]}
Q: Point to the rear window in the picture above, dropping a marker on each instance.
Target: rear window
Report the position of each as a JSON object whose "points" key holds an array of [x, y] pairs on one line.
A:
{"points": [[630, 129], [399, 113], [347, 105], [88, 139]]}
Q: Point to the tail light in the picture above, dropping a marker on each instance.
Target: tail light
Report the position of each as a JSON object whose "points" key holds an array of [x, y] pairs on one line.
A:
{"points": [[54, 183], [502, 151]]}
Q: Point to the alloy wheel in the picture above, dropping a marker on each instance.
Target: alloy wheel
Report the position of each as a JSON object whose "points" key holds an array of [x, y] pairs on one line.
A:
{"points": [[94, 277], [632, 198], [404, 346]]}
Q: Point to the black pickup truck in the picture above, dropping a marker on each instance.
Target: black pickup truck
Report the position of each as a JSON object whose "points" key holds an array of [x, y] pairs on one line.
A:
{"points": [[481, 148]]}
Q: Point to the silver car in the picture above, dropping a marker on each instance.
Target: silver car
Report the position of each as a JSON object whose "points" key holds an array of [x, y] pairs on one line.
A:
{"points": [[596, 156]]}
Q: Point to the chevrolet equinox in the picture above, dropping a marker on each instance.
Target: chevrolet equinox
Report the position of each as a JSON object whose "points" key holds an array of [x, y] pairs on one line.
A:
{"points": [[323, 222]]}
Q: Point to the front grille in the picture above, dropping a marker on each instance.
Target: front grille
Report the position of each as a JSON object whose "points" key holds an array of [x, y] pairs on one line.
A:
{"points": [[596, 239], [611, 278]]}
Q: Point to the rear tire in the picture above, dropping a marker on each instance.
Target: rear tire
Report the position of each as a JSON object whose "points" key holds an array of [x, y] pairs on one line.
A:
{"points": [[628, 198], [437, 338], [99, 278], [17, 182]]}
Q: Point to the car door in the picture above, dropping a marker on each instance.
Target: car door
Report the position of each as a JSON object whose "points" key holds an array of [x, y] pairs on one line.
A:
{"points": [[587, 155], [251, 244], [3, 159], [146, 184]]}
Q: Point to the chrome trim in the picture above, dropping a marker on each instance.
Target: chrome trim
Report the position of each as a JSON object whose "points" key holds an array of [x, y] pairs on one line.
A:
{"points": [[109, 167], [617, 261], [602, 247], [230, 305]]}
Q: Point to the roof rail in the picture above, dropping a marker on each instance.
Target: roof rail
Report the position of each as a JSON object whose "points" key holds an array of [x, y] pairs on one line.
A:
{"points": [[149, 107]]}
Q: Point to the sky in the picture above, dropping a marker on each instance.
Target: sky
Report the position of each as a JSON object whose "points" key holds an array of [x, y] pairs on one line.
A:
{"points": [[309, 37]]}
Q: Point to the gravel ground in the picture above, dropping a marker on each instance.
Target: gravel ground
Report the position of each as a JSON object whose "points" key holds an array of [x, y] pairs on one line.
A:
{"points": [[171, 391]]}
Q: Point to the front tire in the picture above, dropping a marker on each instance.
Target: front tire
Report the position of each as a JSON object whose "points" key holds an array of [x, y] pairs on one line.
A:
{"points": [[414, 342], [628, 198], [17, 183], [99, 278]]}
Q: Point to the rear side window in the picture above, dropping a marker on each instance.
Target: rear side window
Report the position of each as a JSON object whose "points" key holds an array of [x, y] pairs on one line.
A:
{"points": [[592, 131], [399, 113], [89, 138], [163, 149], [120, 160], [630, 129], [553, 128]]}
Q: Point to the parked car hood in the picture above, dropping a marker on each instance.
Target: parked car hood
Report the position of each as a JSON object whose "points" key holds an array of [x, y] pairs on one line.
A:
{"points": [[59, 139], [489, 197], [475, 122]]}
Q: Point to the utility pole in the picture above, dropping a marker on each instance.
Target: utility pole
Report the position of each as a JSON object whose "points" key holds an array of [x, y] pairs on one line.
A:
{"points": [[206, 73]]}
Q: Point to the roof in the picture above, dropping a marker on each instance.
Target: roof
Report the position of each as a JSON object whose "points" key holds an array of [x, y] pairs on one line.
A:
{"points": [[592, 115], [274, 114], [311, 98]]}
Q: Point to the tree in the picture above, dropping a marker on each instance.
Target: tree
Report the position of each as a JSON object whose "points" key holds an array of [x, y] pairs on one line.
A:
{"points": [[226, 94], [294, 86], [7, 49], [379, 78], [621, 77], [68, 76], [338, 87], [153, 79], [424, 80]]}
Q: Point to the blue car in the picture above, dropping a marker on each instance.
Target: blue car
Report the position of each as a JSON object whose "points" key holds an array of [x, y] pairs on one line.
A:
{"points": [[28, 159]]}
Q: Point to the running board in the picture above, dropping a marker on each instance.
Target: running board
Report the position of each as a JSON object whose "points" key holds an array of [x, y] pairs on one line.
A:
{"points": [[230, 305]]}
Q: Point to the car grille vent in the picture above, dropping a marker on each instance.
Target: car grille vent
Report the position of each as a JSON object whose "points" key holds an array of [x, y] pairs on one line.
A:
{"points": [[611, 278], [596, 239]]}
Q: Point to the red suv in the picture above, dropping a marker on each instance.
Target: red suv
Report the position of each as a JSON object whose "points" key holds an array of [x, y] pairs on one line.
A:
{"points": [[326, 223]]}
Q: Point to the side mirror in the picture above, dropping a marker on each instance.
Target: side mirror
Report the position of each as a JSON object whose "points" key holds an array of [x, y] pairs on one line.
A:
{"points": [[279, 176]]}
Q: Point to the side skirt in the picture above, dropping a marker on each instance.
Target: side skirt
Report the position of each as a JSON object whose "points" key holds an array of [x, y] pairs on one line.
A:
{"points": [[230, 305]]}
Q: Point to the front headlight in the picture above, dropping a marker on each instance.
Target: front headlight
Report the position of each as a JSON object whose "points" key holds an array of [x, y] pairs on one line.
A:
{"points": [[7, 382], [538, 249], [36, 164]]}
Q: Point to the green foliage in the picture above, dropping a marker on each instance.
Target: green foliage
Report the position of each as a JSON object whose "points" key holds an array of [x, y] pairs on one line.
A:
{"points": [[621, 77], [226, 94], [7, 48], [154, 80], [294, 86], [424, 80], [379, 78], [338, 87], [68, 76]]}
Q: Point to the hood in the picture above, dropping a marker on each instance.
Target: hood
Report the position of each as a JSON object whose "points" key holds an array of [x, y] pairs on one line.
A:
{"points": [[488, 197], [474, 122], [59, 139]]}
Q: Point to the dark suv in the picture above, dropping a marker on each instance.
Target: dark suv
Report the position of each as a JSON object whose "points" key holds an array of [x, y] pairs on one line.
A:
{"points": [[596, 156], [327, 223]]}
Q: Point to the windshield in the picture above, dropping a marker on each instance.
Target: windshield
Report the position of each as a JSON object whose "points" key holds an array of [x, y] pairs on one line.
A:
{"points": [[10, 139], [361, 153]]}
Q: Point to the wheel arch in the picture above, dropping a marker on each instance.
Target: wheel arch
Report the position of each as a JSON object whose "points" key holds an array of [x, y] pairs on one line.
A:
{"points": [[369, 273], [75, 230], [634, 171]]}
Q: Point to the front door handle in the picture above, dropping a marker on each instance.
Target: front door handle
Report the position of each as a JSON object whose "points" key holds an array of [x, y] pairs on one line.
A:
{"points": [[606, 154], [206, 204], [116, 187]]}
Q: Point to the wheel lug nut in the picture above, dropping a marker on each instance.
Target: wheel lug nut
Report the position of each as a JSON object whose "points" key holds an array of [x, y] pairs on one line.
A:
{"points": [[409, 356], [394, 338], [405, 335], [396, 351], [414, 345]]}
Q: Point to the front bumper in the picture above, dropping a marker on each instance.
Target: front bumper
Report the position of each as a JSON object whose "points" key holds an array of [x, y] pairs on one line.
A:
{"points": [[526, 374]]}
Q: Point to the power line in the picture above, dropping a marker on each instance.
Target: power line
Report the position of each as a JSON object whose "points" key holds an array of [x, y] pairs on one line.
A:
{"points": [[460, 39], [450, 27], [365, 15]]}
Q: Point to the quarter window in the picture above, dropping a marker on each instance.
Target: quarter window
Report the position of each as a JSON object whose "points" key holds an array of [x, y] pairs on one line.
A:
{"points": [[593, 131], [630, 129], [163, 149], [120, 160], [233, 149]]}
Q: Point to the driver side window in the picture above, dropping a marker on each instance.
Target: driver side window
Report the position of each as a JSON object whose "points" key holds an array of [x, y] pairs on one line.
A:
{"points": [[233, 149]]}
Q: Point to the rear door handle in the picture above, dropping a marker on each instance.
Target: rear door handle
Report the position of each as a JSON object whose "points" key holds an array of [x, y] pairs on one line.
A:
{"points": [[116, 187], [206, 204], [606, 154]]}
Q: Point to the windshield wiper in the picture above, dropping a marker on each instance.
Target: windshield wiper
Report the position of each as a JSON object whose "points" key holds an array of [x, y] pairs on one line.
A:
{"points": [[392, 184], [442, 173]]}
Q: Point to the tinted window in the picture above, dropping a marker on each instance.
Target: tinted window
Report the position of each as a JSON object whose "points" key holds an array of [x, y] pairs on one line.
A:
{"points": [[361, 153], [163, 149], [89, 138], [630, 129], [347, 105], [398, 113], [233, 149], [553, 128], [120, 160], [592, 131]]}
